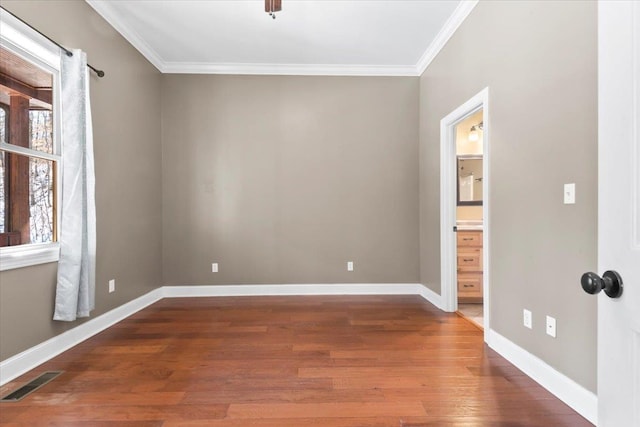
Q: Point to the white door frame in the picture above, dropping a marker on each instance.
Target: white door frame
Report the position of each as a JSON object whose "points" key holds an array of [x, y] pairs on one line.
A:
{"points": [[448, 269]]}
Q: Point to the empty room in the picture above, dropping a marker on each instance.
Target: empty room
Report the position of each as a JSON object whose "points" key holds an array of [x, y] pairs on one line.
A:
{"points": [[340, 213]]}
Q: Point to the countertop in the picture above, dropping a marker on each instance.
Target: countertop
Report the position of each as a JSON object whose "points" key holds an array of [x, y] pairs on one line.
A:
{"points": [[469, 225]]}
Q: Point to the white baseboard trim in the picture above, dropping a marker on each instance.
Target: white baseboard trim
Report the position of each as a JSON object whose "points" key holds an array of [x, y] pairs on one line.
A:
{"points": [[431, 296], [291, 290], [564, 388], [23, 362]]}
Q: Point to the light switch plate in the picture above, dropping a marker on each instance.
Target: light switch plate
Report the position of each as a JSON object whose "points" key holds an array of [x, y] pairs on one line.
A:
{"points": [[569, 194]]}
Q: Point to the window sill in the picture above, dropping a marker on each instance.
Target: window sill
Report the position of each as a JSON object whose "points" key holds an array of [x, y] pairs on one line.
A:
{"points": [[27, 255]]}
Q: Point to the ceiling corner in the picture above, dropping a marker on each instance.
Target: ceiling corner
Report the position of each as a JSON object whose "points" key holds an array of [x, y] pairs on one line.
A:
{"points": [[448, 30], [104, 9]]}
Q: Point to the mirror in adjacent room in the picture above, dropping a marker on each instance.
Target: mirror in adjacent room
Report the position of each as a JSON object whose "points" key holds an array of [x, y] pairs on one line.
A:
{"points": [[469, 180]]}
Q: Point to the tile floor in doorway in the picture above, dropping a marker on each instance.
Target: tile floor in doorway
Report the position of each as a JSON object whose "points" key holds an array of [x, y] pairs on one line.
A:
{"points": [[472, 312]]}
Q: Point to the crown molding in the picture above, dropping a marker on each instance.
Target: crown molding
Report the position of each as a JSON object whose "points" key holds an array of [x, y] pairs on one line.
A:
{"points": [[450, 27], [104, 9], [288, 69]]}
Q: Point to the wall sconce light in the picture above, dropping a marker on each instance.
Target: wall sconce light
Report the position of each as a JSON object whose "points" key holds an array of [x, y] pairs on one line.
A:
{"points": [[474, 132]]}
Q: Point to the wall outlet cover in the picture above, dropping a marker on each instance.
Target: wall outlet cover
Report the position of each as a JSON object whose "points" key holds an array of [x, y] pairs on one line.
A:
{"points": [[214, 267], [527, 319], [551, 326], [112, 285], [350, 266]]}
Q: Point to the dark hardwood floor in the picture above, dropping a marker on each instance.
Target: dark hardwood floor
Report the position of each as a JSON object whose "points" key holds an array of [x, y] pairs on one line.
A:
{"points": [[287, 361]]}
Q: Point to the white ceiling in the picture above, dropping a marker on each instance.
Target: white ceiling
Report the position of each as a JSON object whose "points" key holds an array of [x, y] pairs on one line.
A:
{"points": [[329, 37]]}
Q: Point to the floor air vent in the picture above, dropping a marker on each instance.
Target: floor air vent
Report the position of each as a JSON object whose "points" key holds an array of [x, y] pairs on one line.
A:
{"points": [[30, 387]]}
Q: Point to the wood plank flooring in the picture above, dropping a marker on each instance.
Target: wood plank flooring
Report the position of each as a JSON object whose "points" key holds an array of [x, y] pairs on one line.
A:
{"points": [[326, 361]]}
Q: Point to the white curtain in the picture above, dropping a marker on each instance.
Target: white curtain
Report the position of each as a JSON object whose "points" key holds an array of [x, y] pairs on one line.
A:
{"points": [[75, 292]]}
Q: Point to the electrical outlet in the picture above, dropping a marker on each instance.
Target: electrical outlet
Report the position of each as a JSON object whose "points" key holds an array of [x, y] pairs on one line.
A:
{"points": [[350, 266], [527, 319], [112, 285], [214, 267], [551, 326]]}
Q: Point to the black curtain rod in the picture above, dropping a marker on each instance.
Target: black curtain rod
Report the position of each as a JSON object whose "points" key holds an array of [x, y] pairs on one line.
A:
{"points": [[99, 73]]}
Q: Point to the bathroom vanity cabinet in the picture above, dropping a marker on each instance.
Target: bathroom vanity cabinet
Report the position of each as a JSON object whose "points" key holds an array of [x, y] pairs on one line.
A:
{"points": [[469, 266]]}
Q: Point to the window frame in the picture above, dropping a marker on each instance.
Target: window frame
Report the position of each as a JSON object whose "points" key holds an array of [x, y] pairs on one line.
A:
{"points": [[21, 40], [5, 108]]}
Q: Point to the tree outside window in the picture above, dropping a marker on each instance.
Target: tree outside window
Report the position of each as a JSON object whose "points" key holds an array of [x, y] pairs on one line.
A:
{"points": [[28, 157]]}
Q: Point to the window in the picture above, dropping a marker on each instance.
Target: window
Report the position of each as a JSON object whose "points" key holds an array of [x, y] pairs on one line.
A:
{"points": [[37, 177], [29, 148]]}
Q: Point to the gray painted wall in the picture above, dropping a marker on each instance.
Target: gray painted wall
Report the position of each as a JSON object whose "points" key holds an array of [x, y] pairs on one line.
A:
{"points": [[126, 119], [283, 179], [539, 61]]}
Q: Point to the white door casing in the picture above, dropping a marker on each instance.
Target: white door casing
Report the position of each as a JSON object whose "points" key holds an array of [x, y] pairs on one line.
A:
{"points": [[448, 171], [619, 211]]}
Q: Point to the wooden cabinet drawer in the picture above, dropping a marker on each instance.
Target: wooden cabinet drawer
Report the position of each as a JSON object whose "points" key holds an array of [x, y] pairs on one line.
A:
{"points": [[470, 259], [470, 285], [469, 238], [469, 266]]}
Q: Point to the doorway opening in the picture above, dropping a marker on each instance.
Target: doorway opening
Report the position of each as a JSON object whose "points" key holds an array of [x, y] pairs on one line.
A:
{"points": [[469, 134], [464, 210]]}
